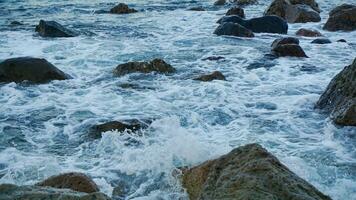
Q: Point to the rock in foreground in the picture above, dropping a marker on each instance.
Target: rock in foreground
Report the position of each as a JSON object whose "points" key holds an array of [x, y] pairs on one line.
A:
{"points": [[248, 172], [13, 192], [53, 29], [210, 77], [122, 8], [287, 47], [339, 98], [156, 65], [74, 181], [342, 18], [35, 70], [233, 29]]}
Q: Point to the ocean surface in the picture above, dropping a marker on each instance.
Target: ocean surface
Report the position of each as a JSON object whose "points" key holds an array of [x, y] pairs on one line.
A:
{"points": [[44, 128]]}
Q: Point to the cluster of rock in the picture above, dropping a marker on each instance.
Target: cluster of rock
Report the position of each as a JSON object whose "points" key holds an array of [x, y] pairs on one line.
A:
{"points": [[248, 172], [68, 186]]}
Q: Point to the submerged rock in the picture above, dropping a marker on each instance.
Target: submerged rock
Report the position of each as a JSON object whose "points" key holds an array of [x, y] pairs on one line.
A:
{"points": [[13, 192], [74, 181], [321, 41], [35, 70], [342, 18], [308, 33], [122, 8], [219, 2], [156, 65], [214, 58], [130, 125], [245, 2], [53, 29], [295, 11], [288, 46], [342, 40], [233, 29], [248, 172], [210, 77], [16, 23], [196, 9], [339, 98], [266, 24], [236, 11]]}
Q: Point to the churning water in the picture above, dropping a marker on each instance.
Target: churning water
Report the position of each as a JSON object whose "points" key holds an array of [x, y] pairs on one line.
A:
{"points": [[44, 127]]}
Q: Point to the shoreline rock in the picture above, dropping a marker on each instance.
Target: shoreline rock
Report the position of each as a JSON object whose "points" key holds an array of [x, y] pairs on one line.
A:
{"points": [[53, 29], [34, 70], [156, 65], [342, 18], [247, 172], [288, 46], [216, 75], [233, 29], [122, 8]]}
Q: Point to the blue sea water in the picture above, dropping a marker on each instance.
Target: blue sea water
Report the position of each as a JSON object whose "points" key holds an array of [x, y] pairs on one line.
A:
{"points": [[44, 128]]}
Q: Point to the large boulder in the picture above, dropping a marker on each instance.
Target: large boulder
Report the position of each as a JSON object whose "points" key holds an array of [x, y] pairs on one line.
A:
{"points": [[308, 33], [288, 46], [53, 29], [35, 70], [129, 125], [233, 29], [298, 11], [122, 8], [342, 18], [339, 98], [13, 192], [210, 77], [265, 24], [156, 65], [74, 181], [236, 11], [248, 172]]}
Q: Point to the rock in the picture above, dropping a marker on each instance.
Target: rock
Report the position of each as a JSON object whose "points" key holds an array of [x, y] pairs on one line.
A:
{"points": [[9, 191], [301, 13], [265, 24], [196, 9], [53, 29], [130, 125], [75, 181], [35, 70], [321, 41], [308, 33], [295, 11], [285, 40], [219, 2], [248, 172], [339, 98], [341, 40], [233, 29], [156, 65], [245, 2], [122, 8], [16, 23], [210, 77], [214, 58], [267, 62], [236, 11], [342, 18], [288, 46]]}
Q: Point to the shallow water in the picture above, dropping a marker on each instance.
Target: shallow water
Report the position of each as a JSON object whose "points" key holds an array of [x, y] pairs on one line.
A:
{"points": [[44, 127]]}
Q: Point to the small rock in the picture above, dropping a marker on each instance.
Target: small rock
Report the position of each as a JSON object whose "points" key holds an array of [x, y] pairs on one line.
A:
{"points": [[196, 9], [219, 2], [53, 29], [339, 98], [233, 29], [285, 40], [156, 65], [321, 41], [308, 33], [342, 18], [236, 11], [16, 23], [248, 172], [288, 46], [122, 8], [210, 77], [214, 58], [74, 181], [341, 40], [245, 2], [130, 125], [265, 24], [35, 70]]}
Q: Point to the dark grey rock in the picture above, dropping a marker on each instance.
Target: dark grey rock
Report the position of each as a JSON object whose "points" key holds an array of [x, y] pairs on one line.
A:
{"points": [[196, 9], [233, 29], [321, 41], [156, 65], [342, 18], [219, 2], [35, 70], [214, 58], [288, 46], [248, 172], [236, 11], [210, 77], [285, 40], [339, 98], [53, 29]]}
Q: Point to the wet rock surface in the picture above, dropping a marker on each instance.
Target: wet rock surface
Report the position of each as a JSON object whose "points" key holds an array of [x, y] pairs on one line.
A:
{"points": [[342, 18], [308, 33], [233, 29], [13, 192], [35, 70], [156, 65], [53, 29], [288, 46], [321, 41], [339, 98], [122, 8], [74, 181], [248, 172], [236, 11], [210, 77]]}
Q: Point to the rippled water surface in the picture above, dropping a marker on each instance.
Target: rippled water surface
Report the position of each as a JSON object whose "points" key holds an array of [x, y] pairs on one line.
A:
{"points": [[44, 127]]}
